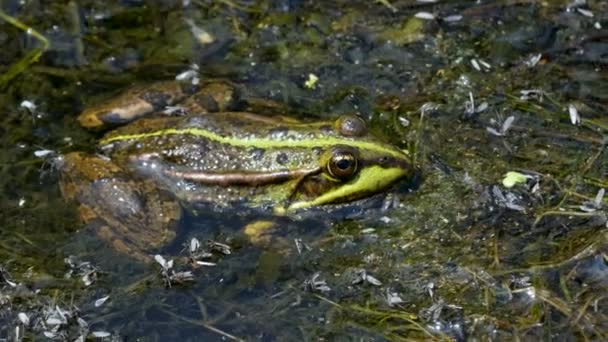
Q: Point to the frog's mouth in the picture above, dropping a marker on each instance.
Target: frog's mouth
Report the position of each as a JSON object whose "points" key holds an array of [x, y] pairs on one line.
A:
{"points": [[318, 189]]}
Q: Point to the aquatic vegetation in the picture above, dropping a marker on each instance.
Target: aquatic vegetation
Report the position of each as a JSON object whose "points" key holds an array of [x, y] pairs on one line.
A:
{"points": [[503, 104]]}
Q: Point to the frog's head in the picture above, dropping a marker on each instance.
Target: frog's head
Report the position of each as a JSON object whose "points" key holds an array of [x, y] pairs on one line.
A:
{"points": [[354, 164]]}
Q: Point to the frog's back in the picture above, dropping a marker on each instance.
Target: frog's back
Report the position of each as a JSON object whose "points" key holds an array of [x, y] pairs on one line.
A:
{"points": [[229, 141]]}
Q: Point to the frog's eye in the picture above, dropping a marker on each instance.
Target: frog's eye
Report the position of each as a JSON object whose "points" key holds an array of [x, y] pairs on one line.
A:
{"points": [[351, 126], [342, 164]]}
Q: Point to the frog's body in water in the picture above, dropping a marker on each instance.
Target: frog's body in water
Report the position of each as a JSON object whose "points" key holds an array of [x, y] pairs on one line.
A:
{"points": [[211, 154]]}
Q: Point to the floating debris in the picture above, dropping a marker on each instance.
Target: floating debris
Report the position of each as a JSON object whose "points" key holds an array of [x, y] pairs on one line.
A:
{"points": [[596, 204], [475, 64], [192, 75], [311, 82], [164, 264], [82, 323], [50, 334], [425, 15], [453, 18], [485, 64], [56, 322], [87, 272], [205, 263], [301, 246], [513, 178], [433, 312], [429, 107], [44, 153], [101, 301], [469, 106], [181, 277], [361, 276], [575, 4], [23, 318], [29, 105], [430, 289], [480, 65], [198, 253], [385, 219], [315, 284], [470, 109], [506, 200], [533, 60], [219, 247], [393, 298], [506, 125], [200, 34], [195, 244], [100, 334], [532, 94], [171, 277], [585, 12], [404, 121], [575, 118]]}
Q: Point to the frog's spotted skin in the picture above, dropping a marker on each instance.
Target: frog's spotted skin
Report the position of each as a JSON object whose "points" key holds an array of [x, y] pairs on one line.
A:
{"points": [[223, 158]]}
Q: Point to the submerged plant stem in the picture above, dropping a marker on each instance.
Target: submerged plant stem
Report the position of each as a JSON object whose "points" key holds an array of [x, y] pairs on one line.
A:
{"points": [[31, 56]]}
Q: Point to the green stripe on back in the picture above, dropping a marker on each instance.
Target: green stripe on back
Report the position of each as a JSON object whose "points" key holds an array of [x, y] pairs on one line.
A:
{"points": [[260, 142]]}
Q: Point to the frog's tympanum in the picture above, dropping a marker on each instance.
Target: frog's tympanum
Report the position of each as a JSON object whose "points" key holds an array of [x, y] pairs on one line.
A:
{"points": [[205, 151]]}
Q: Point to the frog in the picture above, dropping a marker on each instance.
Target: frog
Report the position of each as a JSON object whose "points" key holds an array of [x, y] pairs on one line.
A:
{"points": [[170, 145]]}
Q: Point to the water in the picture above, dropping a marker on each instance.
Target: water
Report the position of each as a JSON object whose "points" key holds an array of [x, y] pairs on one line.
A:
{"points": [[502, 86]]}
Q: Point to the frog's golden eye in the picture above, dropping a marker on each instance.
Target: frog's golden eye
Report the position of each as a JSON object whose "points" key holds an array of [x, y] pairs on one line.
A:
{"points": [[351, 126], [342, 164]]}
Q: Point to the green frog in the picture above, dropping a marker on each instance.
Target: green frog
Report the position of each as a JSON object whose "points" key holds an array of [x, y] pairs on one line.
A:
{"points": [[174, 144]]}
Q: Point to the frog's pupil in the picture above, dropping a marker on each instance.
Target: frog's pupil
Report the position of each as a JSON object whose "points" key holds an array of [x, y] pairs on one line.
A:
{"points": [[343, 164]]}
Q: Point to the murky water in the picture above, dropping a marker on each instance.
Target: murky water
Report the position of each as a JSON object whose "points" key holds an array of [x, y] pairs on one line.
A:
{"points": [[477, 89]]}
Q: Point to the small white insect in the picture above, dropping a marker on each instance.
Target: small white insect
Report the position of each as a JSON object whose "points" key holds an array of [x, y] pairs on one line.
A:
{"points": [[532, 94], [372, 280], [475, 64], [29, 105], [575, 118], [43, 153], [205, 263], [506, 125], [586, 13], [101, 301], [425, 16], [393, 298], [316, 284], [23, 318], [166, 265], [453, 18], [194, 245], [533, 60], [100, 334]]}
